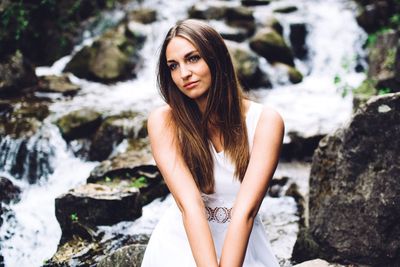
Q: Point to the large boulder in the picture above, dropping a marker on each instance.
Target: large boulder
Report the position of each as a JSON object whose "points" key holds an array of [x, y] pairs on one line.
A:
{"points": [[26, 147], [96, 204], [271, 45], [241, 17], [382, 59], [248, 69], [298, 34], [207, 12], [113, 130], [373, 15], [143, 15], [16, 74], [128, 256], [79, 123], [354, 202], [114, 56], [58, 84], [135, 168]]}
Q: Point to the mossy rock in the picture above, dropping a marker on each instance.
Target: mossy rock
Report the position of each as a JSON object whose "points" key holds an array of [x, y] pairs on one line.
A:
{"points": [[363, 93], [114, 56], [79, 124], [143, 15], [247, 66], [271, 45]]}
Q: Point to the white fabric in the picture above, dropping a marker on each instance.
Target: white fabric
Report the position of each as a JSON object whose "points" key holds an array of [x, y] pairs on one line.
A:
{"points": [[169, 246]]}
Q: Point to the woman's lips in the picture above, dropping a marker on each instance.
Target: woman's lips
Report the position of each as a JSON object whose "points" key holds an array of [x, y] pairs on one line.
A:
{"points": [[190, 84]]}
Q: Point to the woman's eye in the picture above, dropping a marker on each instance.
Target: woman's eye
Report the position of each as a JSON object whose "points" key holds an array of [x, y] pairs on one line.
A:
{"points": [[194, 58], [172, 66]]}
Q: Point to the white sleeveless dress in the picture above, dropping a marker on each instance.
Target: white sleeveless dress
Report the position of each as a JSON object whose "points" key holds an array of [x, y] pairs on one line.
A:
{"points": [[168, 245]]}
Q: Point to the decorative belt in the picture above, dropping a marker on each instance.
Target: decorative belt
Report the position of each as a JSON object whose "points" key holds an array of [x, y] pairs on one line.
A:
{"points": [[218, 214]]}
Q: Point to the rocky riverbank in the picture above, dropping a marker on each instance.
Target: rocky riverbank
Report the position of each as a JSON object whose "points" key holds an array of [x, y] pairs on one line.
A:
{"points": [[266, 53]]}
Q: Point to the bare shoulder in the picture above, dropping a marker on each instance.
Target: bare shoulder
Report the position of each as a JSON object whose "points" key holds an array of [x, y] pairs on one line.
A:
{"points": [[159, 117], [270, 124], [271, 117]]}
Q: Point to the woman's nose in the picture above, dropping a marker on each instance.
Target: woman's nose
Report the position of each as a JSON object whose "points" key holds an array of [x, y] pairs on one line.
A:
{"points": [[185, 71]]}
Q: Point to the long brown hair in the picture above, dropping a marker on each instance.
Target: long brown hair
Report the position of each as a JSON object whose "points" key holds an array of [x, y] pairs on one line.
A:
{"points": [[224, 109]]}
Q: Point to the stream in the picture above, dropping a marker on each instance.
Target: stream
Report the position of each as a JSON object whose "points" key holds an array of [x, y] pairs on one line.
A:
{"points": [[317, 105]]}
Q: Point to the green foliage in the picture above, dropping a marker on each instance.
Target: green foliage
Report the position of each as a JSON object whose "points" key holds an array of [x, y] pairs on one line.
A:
{"points": [[107, 179], [74, 217], [139, 182], [390, 59], [383, 91]]}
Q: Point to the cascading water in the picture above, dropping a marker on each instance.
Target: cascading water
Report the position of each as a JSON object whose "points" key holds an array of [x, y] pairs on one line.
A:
{"points": [[313, 106]]}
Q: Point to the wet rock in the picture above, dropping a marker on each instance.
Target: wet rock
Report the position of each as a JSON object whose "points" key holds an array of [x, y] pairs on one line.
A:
{"points": [[382, 59], [354, 199], [207, 12], [272, 22], [16, 74], [298, 34], [247, 66], [363, 93], [129, 256], [6, 108], [114, 56], [58, 84], [143, 15], [317, 263], [241, 17], [288, 9], [113, 130], [132, 168], [285, 73], [26, 148], [256, 2], [96, 204], [8, 191], [79, 123], [300, 147], [276, 185], [229, 33], [79, 251], [270, 45], [374, 16]]}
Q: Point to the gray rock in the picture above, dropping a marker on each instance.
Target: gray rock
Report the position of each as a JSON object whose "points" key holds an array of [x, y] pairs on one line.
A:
{"points": [[113, 130], [247, 66], [16, 74], [114, 56], [241, 17], [8, 191], [272, 22], [270, 45], [96, 204], [354, 199], [288, 9], [298, 34], [143, 15], [382, 59], [58, 84], [256, 2], [128, 256], [207, 12], [79, 123], [375, 15]]}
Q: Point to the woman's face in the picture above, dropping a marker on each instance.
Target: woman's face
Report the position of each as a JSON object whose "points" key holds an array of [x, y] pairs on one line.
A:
{"points": [[189, 71]]}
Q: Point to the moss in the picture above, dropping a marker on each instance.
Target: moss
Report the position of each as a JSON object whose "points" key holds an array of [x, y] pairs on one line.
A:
{"points": [[390, 60]]}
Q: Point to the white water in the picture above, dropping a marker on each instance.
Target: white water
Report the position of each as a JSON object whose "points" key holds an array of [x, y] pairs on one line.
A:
{"points": [[313, 106]]}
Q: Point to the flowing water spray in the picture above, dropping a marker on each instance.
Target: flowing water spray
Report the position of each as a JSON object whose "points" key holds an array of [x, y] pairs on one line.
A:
{"points": [[313, 106]]}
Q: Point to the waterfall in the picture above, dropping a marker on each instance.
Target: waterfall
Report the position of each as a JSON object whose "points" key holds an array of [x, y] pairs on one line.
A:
{"points": [[314, 106]]}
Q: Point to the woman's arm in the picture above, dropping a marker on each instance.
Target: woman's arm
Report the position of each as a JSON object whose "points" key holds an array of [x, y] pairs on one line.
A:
{"points": [[182, 186], [263, 161]]}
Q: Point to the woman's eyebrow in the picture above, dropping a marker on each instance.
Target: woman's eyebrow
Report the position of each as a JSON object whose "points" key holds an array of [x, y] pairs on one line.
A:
{"points": [[185, 56]]}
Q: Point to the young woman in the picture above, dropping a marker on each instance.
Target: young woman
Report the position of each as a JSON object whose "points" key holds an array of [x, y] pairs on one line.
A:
{"points": [[217, 152]]}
